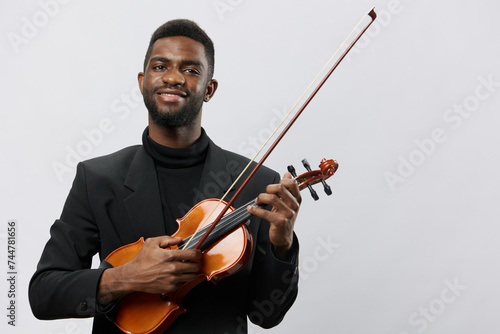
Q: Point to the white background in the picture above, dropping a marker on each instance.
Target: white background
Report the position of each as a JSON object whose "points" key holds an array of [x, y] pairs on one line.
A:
{"points": [[409, 217]]}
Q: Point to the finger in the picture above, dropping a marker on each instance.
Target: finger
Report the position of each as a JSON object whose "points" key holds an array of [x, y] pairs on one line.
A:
{"points": [[173, 283], [274, 199], [178, 281], [292, 186], [181, 279], [182, 255], [166, 241], [280, 197], [286, 183], [181, 268], [261, 213], [279, 213]]}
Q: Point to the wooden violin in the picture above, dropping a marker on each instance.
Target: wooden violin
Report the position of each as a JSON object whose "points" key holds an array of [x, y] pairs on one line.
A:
{"points": [[225, 251]]}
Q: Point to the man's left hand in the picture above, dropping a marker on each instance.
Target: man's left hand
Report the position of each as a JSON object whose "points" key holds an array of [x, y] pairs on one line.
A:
{"points": [[285, 200]]}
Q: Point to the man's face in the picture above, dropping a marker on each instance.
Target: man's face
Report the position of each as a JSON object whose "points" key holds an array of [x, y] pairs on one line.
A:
{"points": [[175, 82]]}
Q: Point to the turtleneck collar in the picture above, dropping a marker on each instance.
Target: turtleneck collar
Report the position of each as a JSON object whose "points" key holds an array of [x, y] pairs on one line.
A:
{"points": [[176, 157]]}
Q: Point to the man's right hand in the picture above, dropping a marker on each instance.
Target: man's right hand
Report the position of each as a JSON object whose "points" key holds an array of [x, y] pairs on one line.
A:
{"points": [[154, 269]]}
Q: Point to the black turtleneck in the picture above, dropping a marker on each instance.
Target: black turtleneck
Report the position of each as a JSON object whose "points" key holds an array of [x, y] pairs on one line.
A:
{"points": [[179, 173]]}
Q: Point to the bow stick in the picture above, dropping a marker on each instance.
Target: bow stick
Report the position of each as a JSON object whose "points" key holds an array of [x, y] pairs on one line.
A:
{"points": [[373, 16]]}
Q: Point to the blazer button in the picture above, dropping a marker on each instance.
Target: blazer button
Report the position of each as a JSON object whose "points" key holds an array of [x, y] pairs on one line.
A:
{"points": [[83, 306]]}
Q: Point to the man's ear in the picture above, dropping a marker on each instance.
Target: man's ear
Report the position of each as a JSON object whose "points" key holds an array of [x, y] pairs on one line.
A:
{"points": [[211, 88], [140, 78]]}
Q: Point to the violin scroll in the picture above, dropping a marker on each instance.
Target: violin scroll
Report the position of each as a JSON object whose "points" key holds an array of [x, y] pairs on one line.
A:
{"points": [[311, 177]]}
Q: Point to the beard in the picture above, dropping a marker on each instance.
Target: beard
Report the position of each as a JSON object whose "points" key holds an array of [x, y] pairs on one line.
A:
{"points": [[183, 117]]}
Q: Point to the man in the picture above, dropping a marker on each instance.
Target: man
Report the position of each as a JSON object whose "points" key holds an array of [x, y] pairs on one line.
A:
{"points": [[140, 191]]}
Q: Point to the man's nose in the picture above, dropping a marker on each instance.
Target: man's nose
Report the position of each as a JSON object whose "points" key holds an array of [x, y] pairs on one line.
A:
{"points": [[173, 77]]}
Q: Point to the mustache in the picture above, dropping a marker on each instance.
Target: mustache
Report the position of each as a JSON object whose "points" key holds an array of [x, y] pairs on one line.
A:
{"points": [[176, 87]]}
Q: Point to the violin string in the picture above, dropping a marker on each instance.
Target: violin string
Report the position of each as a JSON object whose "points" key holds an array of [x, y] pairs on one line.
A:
{"points": [[278, 126], [228, 221], [224, 226], [197, 237]]}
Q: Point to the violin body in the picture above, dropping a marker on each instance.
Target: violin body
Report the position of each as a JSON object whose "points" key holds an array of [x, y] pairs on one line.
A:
{"points": [[141, 312]]}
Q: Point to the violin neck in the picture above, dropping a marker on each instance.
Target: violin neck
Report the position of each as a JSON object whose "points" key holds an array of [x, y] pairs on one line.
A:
{"points": [[228, 223]]}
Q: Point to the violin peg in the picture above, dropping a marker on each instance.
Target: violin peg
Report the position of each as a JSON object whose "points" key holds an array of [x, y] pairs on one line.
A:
{"points": [[291, 169], [314, 194], [306, 165], [327, 188]]}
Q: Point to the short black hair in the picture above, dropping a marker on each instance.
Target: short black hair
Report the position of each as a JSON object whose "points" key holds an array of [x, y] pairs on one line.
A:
{"points": [[187, 28]]}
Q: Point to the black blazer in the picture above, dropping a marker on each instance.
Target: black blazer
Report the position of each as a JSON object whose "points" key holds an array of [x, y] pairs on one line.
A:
{"points": [[114, 201]]}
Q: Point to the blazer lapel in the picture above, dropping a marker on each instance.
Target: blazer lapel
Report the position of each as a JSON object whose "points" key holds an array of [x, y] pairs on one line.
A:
{"points": [[144, 204], [218, 174]]}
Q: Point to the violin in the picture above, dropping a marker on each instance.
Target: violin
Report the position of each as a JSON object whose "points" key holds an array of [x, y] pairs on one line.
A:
{"points": [[224, 252]]}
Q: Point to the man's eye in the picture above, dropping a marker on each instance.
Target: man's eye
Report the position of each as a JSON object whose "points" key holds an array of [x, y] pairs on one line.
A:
{"points": [[159, 67], [192, 71]]}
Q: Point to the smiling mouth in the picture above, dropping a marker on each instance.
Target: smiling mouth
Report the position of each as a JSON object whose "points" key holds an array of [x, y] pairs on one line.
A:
{"points": [[169, 94], [171, 97]]}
